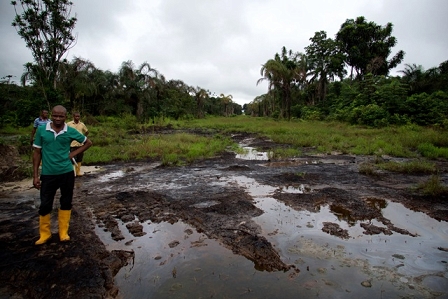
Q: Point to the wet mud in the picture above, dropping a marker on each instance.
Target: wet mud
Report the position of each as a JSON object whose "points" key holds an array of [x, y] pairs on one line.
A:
{"points": [[219, 199]]}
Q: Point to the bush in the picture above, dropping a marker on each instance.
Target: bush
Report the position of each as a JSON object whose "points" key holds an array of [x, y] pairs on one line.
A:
{"points": [[311, 113], [428, 150], [370, 115], [424, 109]]}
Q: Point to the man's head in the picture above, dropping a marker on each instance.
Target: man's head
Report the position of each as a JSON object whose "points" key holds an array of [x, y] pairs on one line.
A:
{"points": [[76, 117], [44, 114], [58, 116]]}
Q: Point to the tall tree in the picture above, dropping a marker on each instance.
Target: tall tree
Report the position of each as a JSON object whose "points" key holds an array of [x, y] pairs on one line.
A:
{"points": [[107, 99], [367, 47], [177, 101], [137, 85], [227, 104], [75, 80], [148, 78], [413, 75], [200, 95], [325, 62], [282, 73], [46, 26]]}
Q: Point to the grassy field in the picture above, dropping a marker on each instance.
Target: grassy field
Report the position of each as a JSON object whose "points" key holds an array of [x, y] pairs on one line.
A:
{"points": [[125, 139], [326, 137]]}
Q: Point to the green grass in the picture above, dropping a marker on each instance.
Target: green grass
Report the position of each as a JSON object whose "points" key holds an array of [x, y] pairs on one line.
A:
{"points": [[280, 153], [122, 138], [171, 149], [433, 187], [431, 151], [416, 166], [325, 137], [368, 169]]}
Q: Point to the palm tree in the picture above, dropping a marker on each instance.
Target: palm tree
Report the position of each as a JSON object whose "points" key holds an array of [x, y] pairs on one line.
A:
{"points": [[128, 84], [147, 77], [258, 106], [108, 86], [282, 73], [414, 76], [200, 96], [74, 79], [226, 100], [177, 99], [137, 85], [34, 74], [325, 61]]}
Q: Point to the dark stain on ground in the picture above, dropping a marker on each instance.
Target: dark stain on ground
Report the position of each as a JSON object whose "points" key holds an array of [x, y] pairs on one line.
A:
{"points": [[83, 268]]}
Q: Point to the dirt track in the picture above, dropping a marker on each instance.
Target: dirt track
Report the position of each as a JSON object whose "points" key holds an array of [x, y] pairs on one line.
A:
{"points": [[84, 268]]}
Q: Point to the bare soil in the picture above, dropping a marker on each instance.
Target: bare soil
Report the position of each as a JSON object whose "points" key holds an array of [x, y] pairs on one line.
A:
{"points": [[83, 268]]}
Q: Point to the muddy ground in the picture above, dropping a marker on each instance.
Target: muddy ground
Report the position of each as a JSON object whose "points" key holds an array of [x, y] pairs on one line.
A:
{"points": [[83, 268]]}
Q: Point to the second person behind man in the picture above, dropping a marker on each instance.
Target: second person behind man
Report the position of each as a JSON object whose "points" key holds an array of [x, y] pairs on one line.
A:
{"points": [[81, 127]]}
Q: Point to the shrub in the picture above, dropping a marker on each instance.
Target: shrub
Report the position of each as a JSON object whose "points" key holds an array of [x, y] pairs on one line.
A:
{"points": [[433, 186]]}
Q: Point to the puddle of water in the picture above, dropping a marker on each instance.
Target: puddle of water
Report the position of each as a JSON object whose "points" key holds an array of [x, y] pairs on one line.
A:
{"points": [[122, 172], [111, 176], [206, 204], [293, 189], [161, 271], [364, 265], [250, 153]]}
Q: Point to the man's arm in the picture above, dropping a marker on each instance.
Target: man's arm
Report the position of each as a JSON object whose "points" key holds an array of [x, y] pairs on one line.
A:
{"points": [[37, 156], [32, 135], [84, 147]]}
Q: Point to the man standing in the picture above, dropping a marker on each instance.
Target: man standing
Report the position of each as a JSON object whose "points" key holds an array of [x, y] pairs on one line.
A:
{"points": [[52, 147], [41, 120], [81, 127]]}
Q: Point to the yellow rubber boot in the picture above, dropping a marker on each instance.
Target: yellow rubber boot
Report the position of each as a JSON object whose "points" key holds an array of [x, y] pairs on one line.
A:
{"points": [[63, 220], [44, 229], [78, 169]]}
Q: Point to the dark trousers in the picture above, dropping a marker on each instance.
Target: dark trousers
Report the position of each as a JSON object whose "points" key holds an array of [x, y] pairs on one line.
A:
{"points": [[78, 157], [49, 185]]}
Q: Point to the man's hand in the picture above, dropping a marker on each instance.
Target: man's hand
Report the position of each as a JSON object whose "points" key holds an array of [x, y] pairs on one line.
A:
{"points": [[36, 183]]}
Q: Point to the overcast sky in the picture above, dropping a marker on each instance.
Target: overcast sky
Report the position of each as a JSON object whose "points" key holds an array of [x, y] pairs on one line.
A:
{"points": [[220, 45]]}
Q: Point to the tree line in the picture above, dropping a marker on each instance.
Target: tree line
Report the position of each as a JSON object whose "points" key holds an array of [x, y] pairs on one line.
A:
{"points": [[141, 91], [348, 79], [47, 26]]}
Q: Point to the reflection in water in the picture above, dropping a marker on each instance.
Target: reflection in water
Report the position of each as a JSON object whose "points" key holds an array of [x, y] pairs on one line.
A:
{"points": [[330, 267], [343, 214], [293, 189], [377, 203], [250, 153]]}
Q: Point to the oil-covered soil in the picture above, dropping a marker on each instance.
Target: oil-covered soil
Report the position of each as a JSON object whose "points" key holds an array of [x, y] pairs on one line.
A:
{"points": [[84, 268]]}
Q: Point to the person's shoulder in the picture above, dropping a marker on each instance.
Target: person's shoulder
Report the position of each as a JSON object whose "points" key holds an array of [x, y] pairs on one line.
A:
{"points": [[42, 128], [72, 130]]}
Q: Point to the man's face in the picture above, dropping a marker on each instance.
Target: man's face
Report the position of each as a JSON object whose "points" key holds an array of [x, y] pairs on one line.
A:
{"points": [[76, 117], [44, 114], [58, 117]]}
